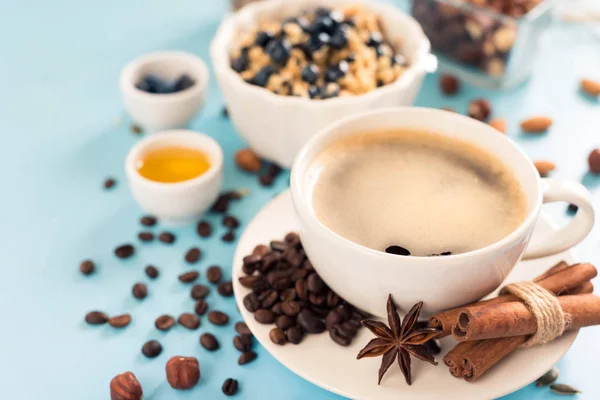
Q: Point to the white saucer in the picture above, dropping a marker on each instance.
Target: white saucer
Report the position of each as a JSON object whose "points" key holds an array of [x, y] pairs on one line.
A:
{"points": [[335, 368]]}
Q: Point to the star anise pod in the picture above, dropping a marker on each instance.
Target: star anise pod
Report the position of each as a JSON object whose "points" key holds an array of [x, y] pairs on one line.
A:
{"points": [[399, 340]]}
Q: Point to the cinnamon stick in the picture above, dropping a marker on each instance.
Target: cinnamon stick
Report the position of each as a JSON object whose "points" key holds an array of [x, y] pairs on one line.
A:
{"points": [[454, 358], [515, 319], [559, 279]]}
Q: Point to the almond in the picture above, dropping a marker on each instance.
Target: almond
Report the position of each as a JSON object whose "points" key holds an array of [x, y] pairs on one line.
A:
{"points": [[590, 87], [536, 124], [247, 160], [544, 167], [499, 124]]}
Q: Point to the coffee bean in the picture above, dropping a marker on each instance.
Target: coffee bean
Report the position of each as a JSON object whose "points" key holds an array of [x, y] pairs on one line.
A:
{"points": [[152, 349], [278, 245], [193, 255], [309, 322], [120, 321], [299, 274], [109, 183], [152, 272], [230, 387], [339, 336], [164, 322], [124, 251], [279, 279], [317, 299], [188, 277], [274, 170], [292, 238], [242, 328], [199, 291], [243, 343], [449, 84], [221, 204], [277, 308], [250, 281], [218, 318], [148, 220], [201, 307], [332, 299], [224, 112], [288, 294], [189, 321], [139, 291], [315, 284], [136, 129], [204, 229], [246, 357], [146, 236], [265, 317], [225, 289], [307, 265], [301, 289], [87, 267], [214, 274], [398, 250], [260, 250], [294, 334], [166, 237], [228, 237], [334, 317], [209, 341], [268, 298], [96, 318], [277, 336], [290, 308], [284, 322], [266, 180], [251, 302], [231, 221]]}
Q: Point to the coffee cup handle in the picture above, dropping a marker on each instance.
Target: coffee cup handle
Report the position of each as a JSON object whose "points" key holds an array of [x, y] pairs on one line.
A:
{"points": [[581, 225]]}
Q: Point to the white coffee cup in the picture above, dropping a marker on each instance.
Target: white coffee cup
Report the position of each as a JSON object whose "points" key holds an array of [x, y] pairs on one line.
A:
{"points": [[364, 276]]}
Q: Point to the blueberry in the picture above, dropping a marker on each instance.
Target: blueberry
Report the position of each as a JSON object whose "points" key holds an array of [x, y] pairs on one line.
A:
{"points": [[322, 24], [339, 39], [262, 77], [184, 82], [317, 41], [336, 72], [400, 60], [310, 74], [241, 63], [143, 85], [314, 92], [279, 50], [154, 84], [375, 39], [263, 38]]}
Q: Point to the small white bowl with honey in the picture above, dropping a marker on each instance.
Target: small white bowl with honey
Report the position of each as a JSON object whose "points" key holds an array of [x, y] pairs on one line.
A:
{"points": [[175, 175]]}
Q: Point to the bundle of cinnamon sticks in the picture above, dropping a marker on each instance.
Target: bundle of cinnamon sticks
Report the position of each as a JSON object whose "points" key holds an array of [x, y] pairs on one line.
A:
{"points": [[490, 330]]}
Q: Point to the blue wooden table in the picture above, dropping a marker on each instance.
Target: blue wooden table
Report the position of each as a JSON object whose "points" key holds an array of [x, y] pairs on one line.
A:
{"points": [[64, 130]]}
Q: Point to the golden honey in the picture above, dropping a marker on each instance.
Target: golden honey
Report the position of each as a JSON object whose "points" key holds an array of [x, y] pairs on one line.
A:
{"points": [[173, 164]]}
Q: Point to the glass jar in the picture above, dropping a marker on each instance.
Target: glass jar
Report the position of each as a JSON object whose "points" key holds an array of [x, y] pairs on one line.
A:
{"points": [[480, 44]]}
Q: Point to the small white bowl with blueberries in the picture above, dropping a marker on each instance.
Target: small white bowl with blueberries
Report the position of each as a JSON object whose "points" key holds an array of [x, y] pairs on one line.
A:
{"points": [[164, 90], [288, 68]]}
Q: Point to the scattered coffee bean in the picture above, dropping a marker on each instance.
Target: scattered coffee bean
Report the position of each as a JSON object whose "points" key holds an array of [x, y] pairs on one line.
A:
{"points": [[315, 284], [228, 237], [225, 112], [209, 342], [218, 318], [397, 250], [221, 205], [166, 237], [294, 334], [125, 386], [266, 180], [124, 251], [214, 274], [230, 387], [204, 229], [146, 236], [248, 160], [310, 322], [148, 220], [242, 328], [201, 307], [339, 336], [164, 322], [572, 208], [277, 336], [480, 109], [273, 170], [152, 272], [120, 321], [109, 183], [263, 316], [183, 372], [136, 129], [199, 291], [193, 255], [246, 357], [188, 277], [139, 291], [449, 84], [243, 343], [96, 318], [594, 161], [231, 221], [87, 267], [225, 289], [189, 321], [152, 349]]}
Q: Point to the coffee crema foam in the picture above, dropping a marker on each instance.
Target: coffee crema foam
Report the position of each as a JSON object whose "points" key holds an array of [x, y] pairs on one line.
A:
{"points": [[428, 193]]}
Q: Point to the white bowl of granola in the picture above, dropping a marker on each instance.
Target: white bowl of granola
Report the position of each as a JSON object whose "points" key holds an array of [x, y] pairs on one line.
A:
{"points": [[288, 68]]}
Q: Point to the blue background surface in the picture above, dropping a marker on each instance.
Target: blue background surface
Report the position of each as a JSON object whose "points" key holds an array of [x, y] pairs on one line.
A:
{"points": [[64, 130]]}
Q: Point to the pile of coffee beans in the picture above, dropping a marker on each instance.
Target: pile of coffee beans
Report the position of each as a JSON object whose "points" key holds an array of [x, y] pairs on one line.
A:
{"points": [[288, 292]]}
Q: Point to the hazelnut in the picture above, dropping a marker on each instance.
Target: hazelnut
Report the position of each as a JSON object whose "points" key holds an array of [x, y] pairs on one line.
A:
{"points": [[125, 386], [449, 84], [504, 38], [544, 167], [247, 160], [183, 372], [480, 109], [594, 161]]}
